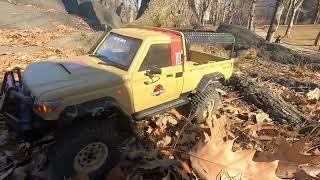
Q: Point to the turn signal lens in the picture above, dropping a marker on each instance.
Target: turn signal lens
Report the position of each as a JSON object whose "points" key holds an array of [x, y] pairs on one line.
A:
{"points": [[47, 106]]}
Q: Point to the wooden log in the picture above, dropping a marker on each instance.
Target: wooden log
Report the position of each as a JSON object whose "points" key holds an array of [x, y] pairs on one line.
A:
{"points": [[271, 103]]}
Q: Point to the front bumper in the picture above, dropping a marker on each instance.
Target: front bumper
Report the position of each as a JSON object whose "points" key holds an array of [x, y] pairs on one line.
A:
{"points": [[16, 104]]}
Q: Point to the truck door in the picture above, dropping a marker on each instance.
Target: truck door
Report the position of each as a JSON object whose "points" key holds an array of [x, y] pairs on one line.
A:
{"points": [[149, 89]]}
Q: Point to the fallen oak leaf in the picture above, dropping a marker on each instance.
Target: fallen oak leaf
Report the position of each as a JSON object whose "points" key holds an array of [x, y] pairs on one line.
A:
{"points": [[291, 157], [290, 153], [311, 170], [236, 164], [187, 138], [216, 158], [267, 131]]}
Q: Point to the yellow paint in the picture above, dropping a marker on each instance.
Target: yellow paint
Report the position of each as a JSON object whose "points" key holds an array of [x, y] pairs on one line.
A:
{"points": [[134, 90]]}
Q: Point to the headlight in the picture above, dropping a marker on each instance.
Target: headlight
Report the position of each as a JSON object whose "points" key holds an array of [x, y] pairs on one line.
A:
{"points": [[47, 106]]}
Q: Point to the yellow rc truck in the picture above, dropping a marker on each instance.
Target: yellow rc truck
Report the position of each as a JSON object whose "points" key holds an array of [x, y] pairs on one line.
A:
{"points": [[92, 103]]}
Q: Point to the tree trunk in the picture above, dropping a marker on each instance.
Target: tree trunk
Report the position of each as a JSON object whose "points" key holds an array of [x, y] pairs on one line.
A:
{"points": [[296, 6], [217, 12], [131, 18], [193, 8], [202, 18], [317, 14], [288, 12], [316, 42], [276, 19], [297, 16], [143, 7], [252, 16], [290, 25]]}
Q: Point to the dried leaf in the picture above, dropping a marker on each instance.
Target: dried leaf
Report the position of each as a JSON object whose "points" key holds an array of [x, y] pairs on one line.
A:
{"points": [[314, 94], [311, 170], [186, 138], [216, 159], [290, 153], [185, 167], [164, 142], [264, 131]]}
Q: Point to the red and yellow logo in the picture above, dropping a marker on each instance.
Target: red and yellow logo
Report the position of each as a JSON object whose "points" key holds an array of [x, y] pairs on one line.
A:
{"points": [[158, 90]]}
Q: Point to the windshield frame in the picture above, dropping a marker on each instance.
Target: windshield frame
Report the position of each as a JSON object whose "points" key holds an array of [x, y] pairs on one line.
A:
{"points": [[113, 63]]}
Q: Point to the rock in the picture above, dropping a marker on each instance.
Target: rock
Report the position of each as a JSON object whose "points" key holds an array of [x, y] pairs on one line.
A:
{"points": [[25, 17], [57, 5], [245, 39], [96, 14], [164, 13], [281, 54]]}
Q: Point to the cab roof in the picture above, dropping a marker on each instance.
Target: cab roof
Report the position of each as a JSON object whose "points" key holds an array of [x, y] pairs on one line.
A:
{"points": [[147, 33]]}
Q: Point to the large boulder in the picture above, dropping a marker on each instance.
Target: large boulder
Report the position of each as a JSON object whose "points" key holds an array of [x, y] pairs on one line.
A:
{"points": [[20, 16], [98, 16], [279, 53], [57, 5], [164, 13], [245, 39]]}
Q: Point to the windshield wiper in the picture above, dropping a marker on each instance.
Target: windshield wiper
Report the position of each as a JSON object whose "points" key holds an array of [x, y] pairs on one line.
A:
{"points": [[105, 60]]}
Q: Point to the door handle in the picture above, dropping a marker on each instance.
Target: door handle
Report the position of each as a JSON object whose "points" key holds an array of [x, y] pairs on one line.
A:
{"points": [[170, 75]]}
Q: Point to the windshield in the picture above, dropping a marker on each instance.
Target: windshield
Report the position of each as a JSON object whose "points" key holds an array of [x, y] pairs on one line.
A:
{"points": [[118, 50]]}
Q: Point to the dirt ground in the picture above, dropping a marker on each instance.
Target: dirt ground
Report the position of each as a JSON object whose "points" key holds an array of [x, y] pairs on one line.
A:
{"points": [[301, 39]]}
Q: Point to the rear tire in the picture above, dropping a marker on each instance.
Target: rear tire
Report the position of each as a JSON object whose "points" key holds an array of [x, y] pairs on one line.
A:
{"points": [[204, 104], [90, 148]]}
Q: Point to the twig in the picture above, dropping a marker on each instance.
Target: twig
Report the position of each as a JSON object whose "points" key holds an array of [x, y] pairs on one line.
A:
{"points": [[189, 119]]}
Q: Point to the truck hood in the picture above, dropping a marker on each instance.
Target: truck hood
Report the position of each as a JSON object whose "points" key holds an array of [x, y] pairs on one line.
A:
{"points": [[48, 76]]}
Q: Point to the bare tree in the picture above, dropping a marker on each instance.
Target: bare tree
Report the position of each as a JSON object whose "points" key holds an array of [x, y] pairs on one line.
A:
{"points": [[143, 7], [288, 12], [231, 11], [218, 8], [317, 14], [280, 5], [252, 16], [316, 42], [199, 8], [203, 7], [296, 4], [193, 8]]}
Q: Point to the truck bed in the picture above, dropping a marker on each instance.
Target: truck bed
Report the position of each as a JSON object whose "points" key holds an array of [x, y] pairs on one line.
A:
{"points": [[200, 63], [204, 58]]}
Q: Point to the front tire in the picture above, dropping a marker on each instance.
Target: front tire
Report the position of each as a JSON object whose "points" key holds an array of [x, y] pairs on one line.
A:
{"points": [[91, 148]]}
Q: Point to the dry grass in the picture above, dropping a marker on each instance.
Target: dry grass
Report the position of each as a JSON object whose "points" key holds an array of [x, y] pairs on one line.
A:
{"points": [[301, 39]]}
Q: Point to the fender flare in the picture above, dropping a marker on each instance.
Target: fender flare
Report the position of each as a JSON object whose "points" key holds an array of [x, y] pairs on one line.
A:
{"points": [[208, 79], [92, 108]]}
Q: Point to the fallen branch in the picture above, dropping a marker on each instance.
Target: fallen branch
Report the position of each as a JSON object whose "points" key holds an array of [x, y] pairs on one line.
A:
{"points": [[268, 101]]}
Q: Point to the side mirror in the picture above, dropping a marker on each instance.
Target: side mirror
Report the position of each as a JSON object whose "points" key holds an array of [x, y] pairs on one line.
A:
{"points": [[155, 70]]}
